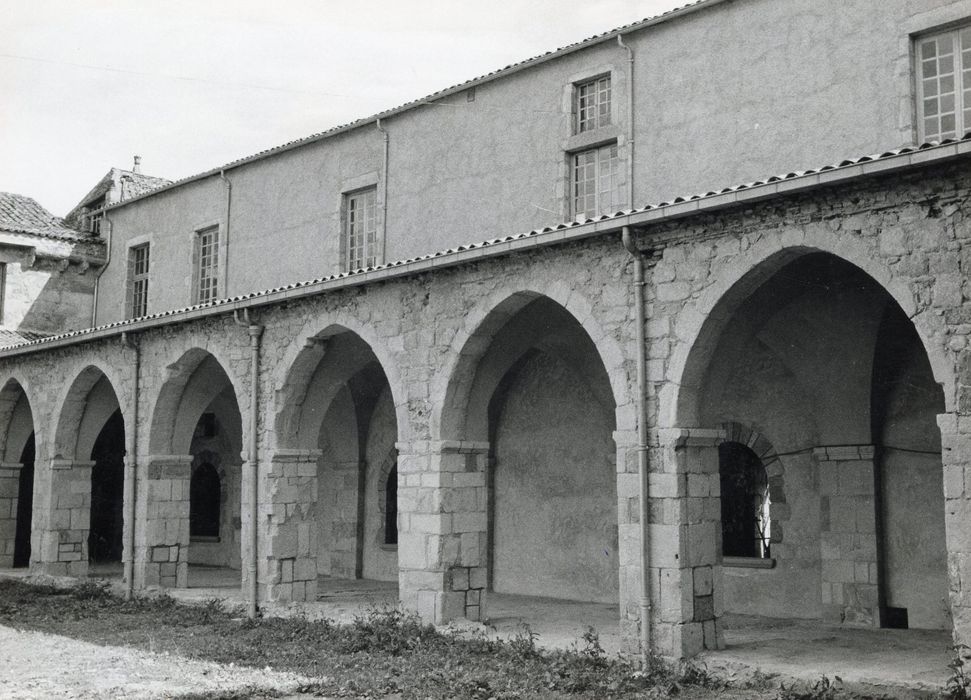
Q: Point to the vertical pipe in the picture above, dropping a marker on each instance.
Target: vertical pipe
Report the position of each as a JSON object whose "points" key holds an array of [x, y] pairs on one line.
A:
{"points": [[131, 470], [642, 439], [630, 120], [229, 204], [97, 278], [384, 191]]}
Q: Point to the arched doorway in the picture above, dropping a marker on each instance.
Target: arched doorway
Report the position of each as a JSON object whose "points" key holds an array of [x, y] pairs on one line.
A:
{"points": [[196, 440], [531, 385], [822, 362], [336, 405]]}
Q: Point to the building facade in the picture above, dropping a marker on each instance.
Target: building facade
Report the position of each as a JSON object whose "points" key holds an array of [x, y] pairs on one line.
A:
{"points": [[750, 399]]}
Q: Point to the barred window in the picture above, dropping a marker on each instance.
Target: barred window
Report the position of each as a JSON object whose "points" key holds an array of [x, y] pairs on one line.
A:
{"points": [[138, 265], [944, 84], [597, 184], [207, 265], [592, 104], [360, 230]]}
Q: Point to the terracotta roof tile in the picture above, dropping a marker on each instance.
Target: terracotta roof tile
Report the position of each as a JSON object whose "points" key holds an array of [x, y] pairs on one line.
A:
{"points": [[21, 214]]}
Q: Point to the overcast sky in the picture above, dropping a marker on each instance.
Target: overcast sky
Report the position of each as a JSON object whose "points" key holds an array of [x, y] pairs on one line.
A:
{"points": [[192, 84]]}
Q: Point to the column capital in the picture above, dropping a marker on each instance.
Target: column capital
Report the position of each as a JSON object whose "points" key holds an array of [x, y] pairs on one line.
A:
{"points": [[690, 437], [13, 466], [70, 463], [300, 456], [442, 447]]}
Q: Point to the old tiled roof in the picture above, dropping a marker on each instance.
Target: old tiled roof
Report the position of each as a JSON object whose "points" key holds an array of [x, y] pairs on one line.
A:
{"points": [[20, 214], [10, 338], [679, 207], [131, 184], [441, 94]]}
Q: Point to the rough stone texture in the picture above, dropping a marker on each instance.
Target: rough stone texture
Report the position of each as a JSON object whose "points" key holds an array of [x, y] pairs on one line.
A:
{"points": [[434, 336], [288, 527], [848, 542], [162, 521], [9, 491]]}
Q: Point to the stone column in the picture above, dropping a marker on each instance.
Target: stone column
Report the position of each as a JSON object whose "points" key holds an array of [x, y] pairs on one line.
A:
{"points": [[288, 514], [9, 492], [59, 541], [956, 459], [162, 521], [848, 535], [342, 510], [442, 532], [685, 542]]}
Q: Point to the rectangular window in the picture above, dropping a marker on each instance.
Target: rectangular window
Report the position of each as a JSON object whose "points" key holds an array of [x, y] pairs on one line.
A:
{"points": [[138, 260], [360, 229], [207, 265], [592, 104], [597, 185], [944, 84], [94, 223]]}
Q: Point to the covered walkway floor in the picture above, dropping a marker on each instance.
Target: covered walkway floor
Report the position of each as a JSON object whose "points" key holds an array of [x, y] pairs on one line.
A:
{"points": [[878, 660]]}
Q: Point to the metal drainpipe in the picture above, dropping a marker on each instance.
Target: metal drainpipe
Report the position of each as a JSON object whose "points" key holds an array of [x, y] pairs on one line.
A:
{"points": [[131, 471], [255, 334], [630, 120], [384, 188], [229, 204], [97, 278], [642, 438]]}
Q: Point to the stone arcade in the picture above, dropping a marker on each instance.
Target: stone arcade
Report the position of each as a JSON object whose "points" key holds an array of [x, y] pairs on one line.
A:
{"points": [[482, 421]]}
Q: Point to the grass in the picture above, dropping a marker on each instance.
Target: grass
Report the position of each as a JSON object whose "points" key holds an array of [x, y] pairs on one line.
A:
{"points": [[383, 653]]}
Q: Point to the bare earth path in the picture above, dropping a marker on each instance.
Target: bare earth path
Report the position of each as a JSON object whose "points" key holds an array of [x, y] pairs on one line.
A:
{"points": [[38, 665]]}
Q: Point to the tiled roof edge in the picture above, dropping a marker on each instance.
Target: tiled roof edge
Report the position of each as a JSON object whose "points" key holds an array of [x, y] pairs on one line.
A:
{"points": [[678, 208], [667, 16]]}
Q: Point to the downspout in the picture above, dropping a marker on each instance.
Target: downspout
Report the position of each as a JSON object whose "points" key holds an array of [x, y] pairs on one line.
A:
{"points": [[384, 189], [642, 438], [630, 119], [97, 277], [255, 334], [225, 245], [131, 470]]}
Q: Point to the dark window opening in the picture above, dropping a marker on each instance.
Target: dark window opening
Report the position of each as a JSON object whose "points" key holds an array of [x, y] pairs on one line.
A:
{"points": [[207, 427], [744, 502], [25, 506], [204, 501], [107, 492], [391, 507]]}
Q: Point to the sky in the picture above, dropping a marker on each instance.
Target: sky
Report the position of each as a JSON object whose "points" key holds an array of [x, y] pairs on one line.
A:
{"points": [[190, 84]]}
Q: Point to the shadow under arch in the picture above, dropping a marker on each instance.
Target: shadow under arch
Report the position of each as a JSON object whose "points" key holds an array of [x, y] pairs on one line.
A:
{"points": [[680, 402], [496, 339], [193, 382], [17, 442], [86, 406]]}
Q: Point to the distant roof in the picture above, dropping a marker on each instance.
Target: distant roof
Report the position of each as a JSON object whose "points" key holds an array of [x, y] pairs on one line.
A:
{"points": [[129, 183], [441, 94], [10, 338], [21, 214]]}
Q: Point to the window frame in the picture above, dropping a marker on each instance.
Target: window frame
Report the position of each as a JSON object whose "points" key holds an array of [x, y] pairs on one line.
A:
{"points": [[138, 282], [618, 185], [369, 247], [601, 117], [205, 288], [960, 74]]}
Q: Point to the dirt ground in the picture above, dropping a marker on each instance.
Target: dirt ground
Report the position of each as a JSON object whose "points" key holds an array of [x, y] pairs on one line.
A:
{"points": [[36, 665]]}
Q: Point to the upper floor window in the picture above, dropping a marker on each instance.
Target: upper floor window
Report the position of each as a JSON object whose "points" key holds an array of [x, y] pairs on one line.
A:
{"points": [[138, 263], [94, 223], [944, 84], [597, 185], [360, 229], [592, 106], [3, 291], [206, 265]]}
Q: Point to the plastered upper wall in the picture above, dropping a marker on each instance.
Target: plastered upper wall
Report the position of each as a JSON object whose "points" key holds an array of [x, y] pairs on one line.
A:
{"points": [[731, 93]]}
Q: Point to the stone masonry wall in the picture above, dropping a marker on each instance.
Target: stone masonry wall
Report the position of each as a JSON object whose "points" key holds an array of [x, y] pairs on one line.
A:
{"points": [[909, 233]]}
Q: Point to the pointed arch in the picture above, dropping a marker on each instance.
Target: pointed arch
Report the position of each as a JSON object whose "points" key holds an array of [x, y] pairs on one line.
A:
{"points": [[87, 402]]}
